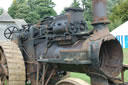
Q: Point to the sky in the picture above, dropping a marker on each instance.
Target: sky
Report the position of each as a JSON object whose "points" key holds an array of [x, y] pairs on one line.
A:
{"points": [[60, 4]]}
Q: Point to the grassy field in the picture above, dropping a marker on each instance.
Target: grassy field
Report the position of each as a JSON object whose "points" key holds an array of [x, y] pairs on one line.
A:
{"points": [[126, 62], [86, 78]]}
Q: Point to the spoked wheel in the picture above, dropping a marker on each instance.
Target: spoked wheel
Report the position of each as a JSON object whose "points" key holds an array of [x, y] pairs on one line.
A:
{"points": [[9, 31], [12, 64], [72, 81]]}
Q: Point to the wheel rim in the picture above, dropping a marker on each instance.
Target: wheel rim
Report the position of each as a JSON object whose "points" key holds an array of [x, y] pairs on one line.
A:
{"points": [[72, 81], [4, 67], [9, 31], [12, 60]]}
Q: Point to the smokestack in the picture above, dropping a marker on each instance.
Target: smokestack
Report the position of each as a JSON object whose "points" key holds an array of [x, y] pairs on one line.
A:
{"points": [[99, 12]]}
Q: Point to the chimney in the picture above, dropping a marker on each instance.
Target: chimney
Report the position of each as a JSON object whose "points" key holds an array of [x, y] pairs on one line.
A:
{"points": [[99, 12]]}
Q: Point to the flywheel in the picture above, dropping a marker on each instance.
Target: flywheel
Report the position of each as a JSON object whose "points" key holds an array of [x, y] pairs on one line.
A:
{"points": [[72, 81], [12, 64]]}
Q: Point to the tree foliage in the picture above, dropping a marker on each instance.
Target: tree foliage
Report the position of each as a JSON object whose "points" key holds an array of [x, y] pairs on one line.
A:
{"points": [[111, 4], [120, 11], [119, 14], [1, 11], [75, 4], [32, 10], [115, 24], [88, 15], [87, 7], [45, 8]]}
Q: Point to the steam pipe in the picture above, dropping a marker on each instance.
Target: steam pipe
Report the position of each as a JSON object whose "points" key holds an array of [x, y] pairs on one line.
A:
{"points": [[99, 12]]}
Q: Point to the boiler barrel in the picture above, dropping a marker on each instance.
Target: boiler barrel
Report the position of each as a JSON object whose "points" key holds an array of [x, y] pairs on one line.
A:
{"points": [[99, 56]]}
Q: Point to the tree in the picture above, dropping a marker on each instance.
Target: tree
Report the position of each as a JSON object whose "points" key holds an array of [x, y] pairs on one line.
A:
{"points": [[21, 10], [1, 11], [12, 10], [88, 15], [114, 24], [20, 1], [87, 7], [24, 12], [75, 4], [111, 4], [31, 10], [119, 14], [16, 8], [45, 8], [31, 3]]}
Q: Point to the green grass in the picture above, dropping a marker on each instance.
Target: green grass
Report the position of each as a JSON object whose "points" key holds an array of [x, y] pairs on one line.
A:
{"points": [[125, 50], [86, 78], [81, 76]]}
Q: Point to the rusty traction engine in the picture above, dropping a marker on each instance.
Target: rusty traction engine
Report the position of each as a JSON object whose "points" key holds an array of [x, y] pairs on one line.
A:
{"points": [[62, 44]]}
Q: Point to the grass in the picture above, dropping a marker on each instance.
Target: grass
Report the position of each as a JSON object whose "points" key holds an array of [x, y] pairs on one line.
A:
{"points": [[81, 76], [125, 50], [86, 78]]}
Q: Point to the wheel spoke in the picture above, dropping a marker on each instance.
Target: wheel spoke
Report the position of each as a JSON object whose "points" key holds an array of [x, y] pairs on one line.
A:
{"points": [[7, 33], [9, 36], [13, 29], [9, 29]]}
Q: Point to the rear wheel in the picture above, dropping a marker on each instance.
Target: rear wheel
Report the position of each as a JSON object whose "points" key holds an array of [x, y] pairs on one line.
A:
{"points": [[12, 64]]}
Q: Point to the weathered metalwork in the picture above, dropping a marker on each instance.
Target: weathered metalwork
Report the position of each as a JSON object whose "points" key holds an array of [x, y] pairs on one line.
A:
{"points": [[64, 43]]}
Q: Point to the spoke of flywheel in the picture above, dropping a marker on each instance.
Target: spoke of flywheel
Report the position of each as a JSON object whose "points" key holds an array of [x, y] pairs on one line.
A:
{"points": [[13, 29], [7, 33], [9, 36], [9, 29]]}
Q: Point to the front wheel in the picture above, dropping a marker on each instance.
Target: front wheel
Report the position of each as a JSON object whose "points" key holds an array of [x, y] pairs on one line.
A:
{"points": [[72, 81]]}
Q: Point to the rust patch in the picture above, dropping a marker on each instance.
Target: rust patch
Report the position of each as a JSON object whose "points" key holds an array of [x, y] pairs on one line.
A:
{"points": [[100, 20]]}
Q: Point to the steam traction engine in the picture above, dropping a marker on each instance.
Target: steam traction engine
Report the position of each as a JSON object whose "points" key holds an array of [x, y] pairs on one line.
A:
{"points": [[60, 44]]}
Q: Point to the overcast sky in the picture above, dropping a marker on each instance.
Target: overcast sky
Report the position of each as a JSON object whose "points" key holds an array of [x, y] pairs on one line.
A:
{"points": [[60, 4]]}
